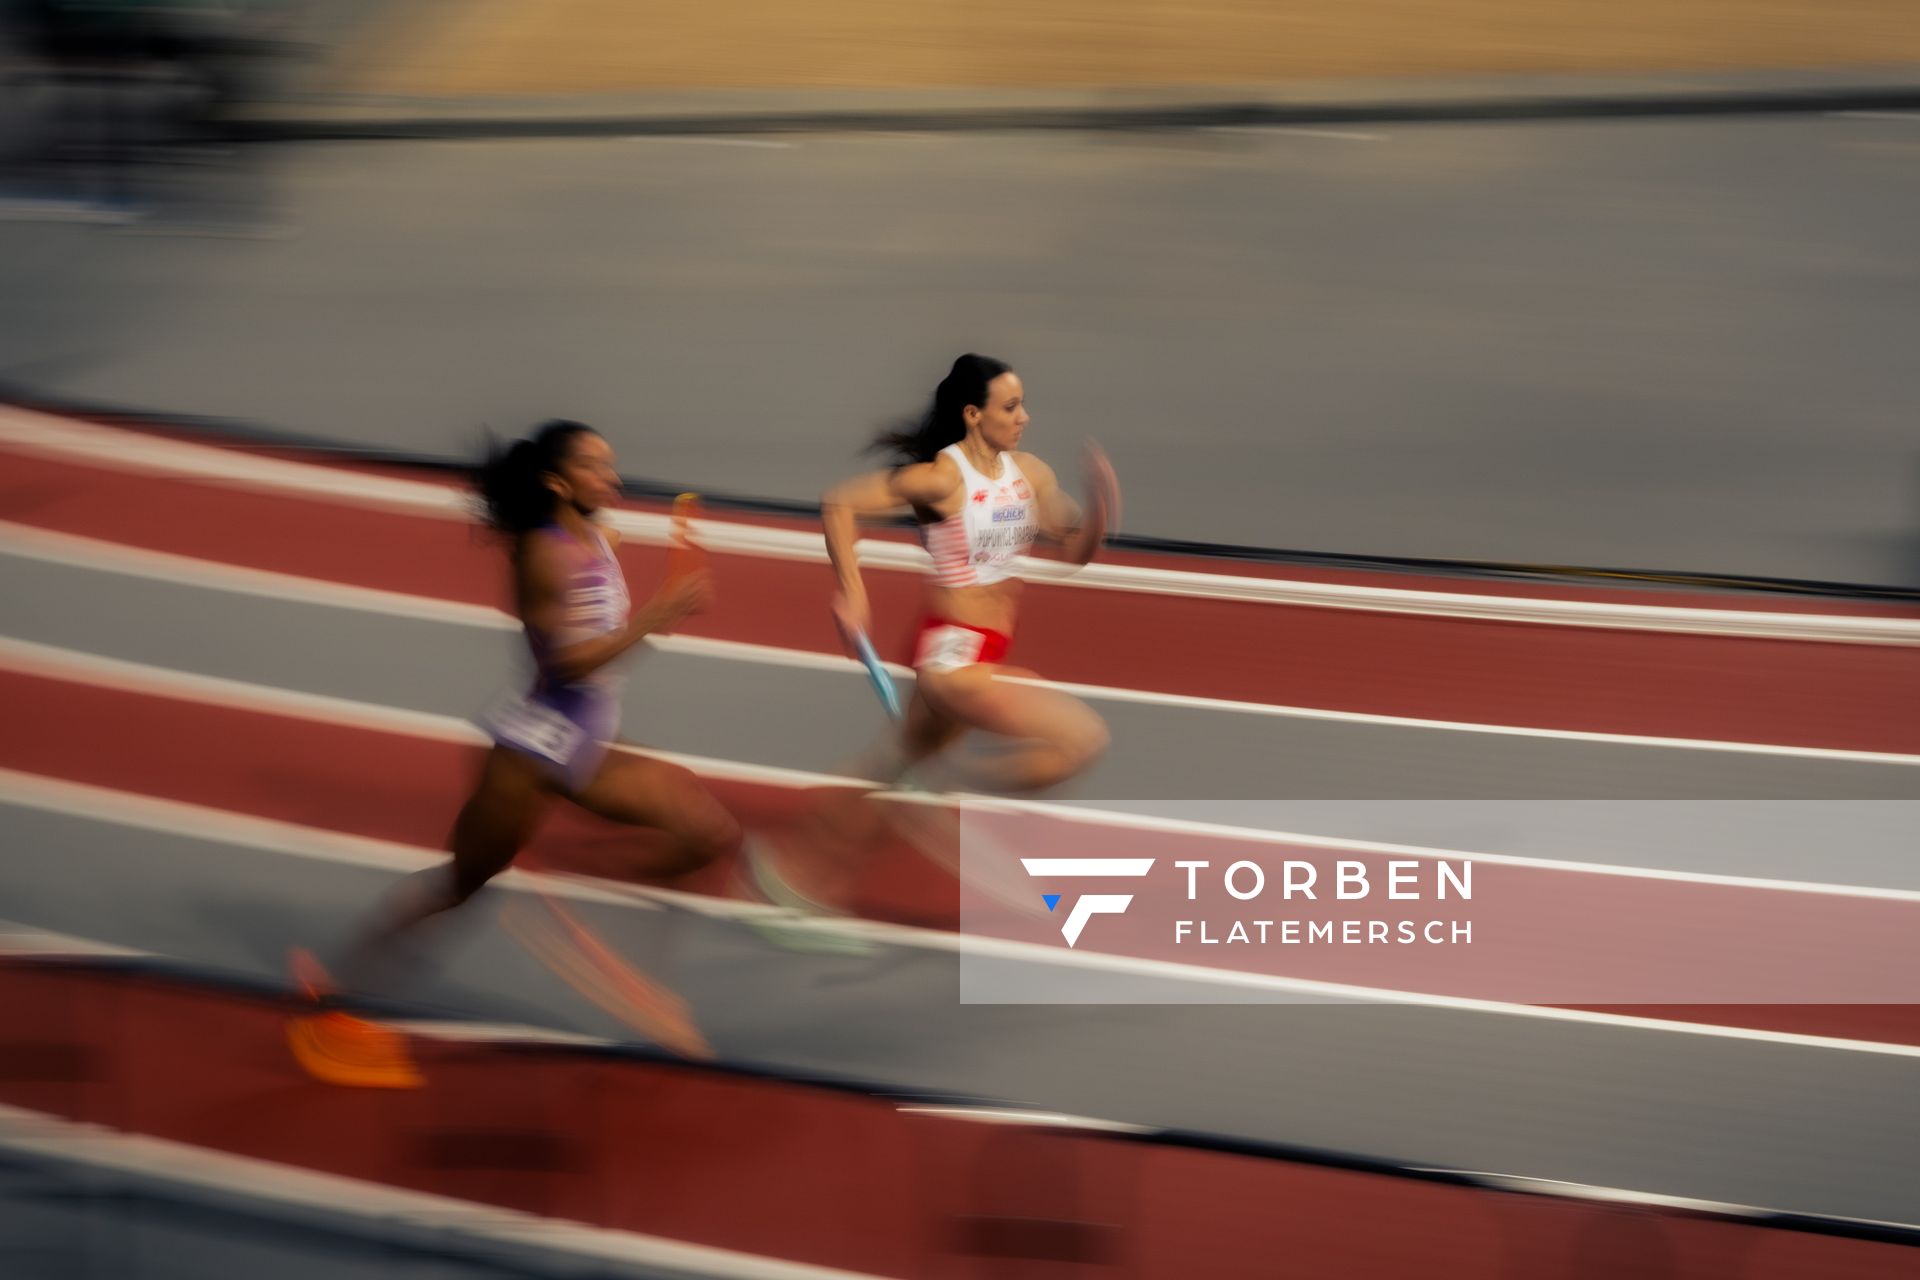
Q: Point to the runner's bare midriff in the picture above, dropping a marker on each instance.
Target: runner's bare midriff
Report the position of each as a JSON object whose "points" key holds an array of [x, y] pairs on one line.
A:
{"points": [[994, 607]]}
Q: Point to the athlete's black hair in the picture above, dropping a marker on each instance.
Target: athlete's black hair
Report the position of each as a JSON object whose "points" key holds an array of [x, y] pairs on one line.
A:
{"points": [[921, 439], [512, 481]]}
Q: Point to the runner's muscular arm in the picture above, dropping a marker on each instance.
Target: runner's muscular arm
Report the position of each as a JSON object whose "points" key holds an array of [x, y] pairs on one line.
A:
{"points": [[1079, 531], [878, 493]]}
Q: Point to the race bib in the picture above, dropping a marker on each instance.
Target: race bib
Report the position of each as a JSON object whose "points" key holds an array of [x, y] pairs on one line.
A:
{"points": [[534, 727]]}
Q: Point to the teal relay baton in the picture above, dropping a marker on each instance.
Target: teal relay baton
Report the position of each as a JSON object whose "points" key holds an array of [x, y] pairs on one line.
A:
{"points": [[877, 674]]}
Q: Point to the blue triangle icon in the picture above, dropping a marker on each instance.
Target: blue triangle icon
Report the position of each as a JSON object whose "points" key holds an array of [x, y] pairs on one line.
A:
{"points": [[1051, 899]]}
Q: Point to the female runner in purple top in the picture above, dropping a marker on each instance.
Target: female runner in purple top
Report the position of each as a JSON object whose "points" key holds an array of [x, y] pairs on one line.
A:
{"points": [[540, 494]]}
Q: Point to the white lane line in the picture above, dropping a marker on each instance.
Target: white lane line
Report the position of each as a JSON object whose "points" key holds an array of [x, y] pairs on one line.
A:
{"points": [[74, 551], [698, 140], [18, 939], [1461, 606], [1389, 849], [29, 542], [22, 941], [224, 826], [1911, 117], [1070, 867], [1026, 1119], [1555, 1189], [1282, 130], [1105, 693], [109, 447], [122, 450], [29, 658], [379, 1210], [147, 813]]}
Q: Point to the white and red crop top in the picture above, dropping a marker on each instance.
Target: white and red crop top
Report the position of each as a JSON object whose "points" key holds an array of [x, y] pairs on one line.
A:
{"points": [[997, 522]]}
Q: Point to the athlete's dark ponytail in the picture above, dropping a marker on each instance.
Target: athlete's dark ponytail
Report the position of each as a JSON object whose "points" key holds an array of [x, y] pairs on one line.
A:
{"points": [[512, 481], [944, 423]]}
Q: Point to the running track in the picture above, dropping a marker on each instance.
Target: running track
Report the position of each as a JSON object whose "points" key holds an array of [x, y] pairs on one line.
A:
{"points": [[122, 717]]}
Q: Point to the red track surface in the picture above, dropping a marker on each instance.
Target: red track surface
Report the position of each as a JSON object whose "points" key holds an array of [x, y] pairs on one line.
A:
{"points": [[807, 1174], [801, 1173], [1861, 697]]}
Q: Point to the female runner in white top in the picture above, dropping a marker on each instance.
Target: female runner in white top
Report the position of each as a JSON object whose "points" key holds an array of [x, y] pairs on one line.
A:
{"points": [[980, 504]]}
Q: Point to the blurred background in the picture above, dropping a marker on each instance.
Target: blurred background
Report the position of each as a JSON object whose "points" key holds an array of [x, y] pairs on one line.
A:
{"points": [[1512, 401]]}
